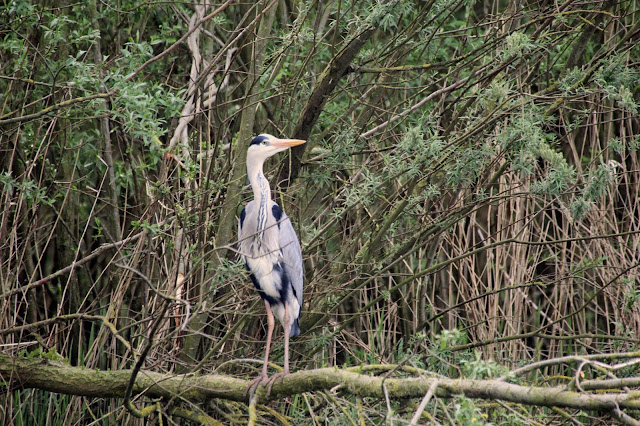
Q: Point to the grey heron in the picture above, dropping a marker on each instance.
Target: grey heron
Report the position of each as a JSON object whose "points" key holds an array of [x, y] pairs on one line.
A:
{"points": [[271, 251]]}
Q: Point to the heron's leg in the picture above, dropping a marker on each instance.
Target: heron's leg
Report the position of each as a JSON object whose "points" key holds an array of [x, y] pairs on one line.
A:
{"points": [[263, 377], [287, 321], [270, 325], [287, 332]]}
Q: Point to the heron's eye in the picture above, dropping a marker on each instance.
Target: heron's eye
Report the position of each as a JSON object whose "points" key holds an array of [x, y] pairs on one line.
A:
{"points": [[263, 143]]}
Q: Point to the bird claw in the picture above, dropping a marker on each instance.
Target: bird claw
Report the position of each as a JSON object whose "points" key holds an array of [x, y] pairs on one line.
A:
{"points": [[265, 381], [272, 380], [261, 379]]}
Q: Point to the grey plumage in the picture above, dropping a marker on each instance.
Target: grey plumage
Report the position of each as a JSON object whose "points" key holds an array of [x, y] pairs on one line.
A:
{"points": [[274, 259], [271, 250]]}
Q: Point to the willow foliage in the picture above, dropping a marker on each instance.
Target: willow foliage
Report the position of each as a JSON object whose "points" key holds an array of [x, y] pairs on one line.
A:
{"points": [[467, 199]]}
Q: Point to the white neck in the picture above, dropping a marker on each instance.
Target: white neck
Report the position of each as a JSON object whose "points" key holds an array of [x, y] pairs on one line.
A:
{"points": [[258, 181]]}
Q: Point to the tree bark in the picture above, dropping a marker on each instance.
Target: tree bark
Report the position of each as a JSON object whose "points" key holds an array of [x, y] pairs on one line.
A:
{"points": [[328, 80], [227, 220], [55, 376], [114, 229]]}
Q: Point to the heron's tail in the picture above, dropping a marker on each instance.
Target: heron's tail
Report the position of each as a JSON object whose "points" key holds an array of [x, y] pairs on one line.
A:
{"points": [[295, 328]]}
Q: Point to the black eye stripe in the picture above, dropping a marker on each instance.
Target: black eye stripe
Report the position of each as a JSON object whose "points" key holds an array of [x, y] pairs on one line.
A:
{"points": [[258, 140]]}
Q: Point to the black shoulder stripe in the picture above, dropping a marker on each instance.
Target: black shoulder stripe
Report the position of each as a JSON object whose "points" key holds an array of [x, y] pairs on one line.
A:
{"points": [[243, 213], [277, 213]]}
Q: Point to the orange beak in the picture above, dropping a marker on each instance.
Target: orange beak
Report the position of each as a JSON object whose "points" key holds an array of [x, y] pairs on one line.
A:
{"points": [[286, 143]]}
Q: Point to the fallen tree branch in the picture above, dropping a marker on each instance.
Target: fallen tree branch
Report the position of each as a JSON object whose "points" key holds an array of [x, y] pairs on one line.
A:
{"points": [[54, 376]]}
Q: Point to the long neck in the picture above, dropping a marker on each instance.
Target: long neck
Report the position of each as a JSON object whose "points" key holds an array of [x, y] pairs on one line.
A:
{"points": [[259, 183], [261, 193]]}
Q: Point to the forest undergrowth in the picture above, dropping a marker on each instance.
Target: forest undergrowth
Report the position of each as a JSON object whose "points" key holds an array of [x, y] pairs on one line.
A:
{"points": [[467, 204]]}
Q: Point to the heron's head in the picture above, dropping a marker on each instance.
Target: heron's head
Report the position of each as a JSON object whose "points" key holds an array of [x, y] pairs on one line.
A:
{"points": [[264, 146]]}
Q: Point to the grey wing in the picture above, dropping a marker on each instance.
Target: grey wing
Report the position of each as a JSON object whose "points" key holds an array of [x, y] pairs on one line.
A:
{"points": [[292, 255]]}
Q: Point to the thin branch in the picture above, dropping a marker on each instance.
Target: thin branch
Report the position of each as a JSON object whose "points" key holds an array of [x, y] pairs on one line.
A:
{"points": [[70, 317], [97, 252], [53, 108], [179, 41]]}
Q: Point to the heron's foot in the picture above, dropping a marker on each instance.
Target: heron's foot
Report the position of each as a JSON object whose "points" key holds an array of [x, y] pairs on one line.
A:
{"points": [[272, 380], [251, 389]]}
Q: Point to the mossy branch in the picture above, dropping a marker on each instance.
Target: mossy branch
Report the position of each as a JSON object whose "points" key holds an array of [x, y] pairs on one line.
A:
{"points": [[54, 376]]}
